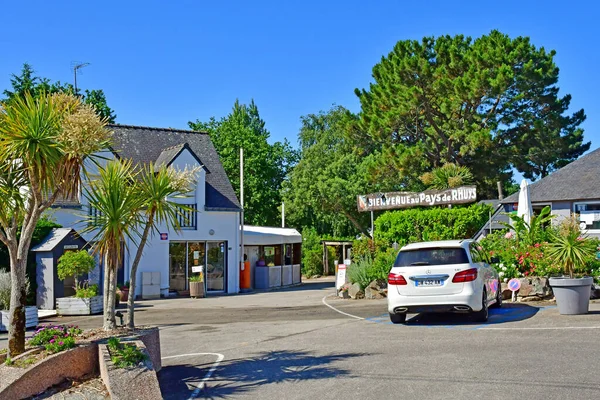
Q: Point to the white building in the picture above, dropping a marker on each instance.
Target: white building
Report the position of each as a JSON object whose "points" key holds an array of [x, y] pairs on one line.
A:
{"points": [[210, 238]]}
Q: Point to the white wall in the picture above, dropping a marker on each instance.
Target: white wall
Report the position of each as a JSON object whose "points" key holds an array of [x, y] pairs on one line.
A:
{"points": [[156, 253]]}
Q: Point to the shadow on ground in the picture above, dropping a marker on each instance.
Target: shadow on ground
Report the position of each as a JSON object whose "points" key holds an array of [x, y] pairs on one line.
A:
{"points": [[508, 313], [243, 375]]}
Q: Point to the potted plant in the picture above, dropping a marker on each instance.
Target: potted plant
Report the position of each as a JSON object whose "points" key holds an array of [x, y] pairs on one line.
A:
{"points": [[124, 292], [571, 250], [86, 300], [197, 285]]}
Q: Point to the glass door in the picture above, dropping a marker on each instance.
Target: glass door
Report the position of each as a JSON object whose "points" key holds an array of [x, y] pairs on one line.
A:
{"points": [[177, 266], [215, 266], [196, 258]]}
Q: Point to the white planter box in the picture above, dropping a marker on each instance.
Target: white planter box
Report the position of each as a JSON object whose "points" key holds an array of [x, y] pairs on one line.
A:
{"points": [[31, 318], [77, 306]]}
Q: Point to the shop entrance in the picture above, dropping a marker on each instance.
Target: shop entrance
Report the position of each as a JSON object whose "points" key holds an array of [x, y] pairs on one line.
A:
{"points": [[184, 256]]}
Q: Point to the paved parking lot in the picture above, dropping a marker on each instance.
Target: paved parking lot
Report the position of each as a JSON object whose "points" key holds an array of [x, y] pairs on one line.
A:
{"points": [[304, 344]]}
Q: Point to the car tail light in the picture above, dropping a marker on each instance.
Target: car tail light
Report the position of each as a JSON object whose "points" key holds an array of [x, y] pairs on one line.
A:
{"points": [[468, 275], [396, 279]]}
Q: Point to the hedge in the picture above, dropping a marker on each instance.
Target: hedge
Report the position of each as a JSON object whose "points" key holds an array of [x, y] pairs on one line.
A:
{"points": [[426, 224]]}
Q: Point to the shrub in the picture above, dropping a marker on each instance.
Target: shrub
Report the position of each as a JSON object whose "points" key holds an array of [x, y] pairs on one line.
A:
{"points": [[417, 225], [383, 263], [312, 253], [5, 290], [60, 344], [124, 355], [50, 333], [359, 271], [86, 291]]}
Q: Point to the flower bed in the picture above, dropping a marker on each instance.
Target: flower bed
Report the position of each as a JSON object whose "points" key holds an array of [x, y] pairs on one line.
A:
{"points": [[127, 371], [56, 352]]}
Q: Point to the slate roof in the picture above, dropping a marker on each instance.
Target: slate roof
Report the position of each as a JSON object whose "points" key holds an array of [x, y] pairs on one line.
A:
{"points": [[161, 145], [53, 239], [166, 157], [579, 180]]}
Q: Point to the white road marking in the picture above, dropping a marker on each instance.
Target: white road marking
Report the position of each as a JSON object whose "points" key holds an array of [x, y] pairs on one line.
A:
{"points": [[533, 328], [336, 310], [212, 369]]}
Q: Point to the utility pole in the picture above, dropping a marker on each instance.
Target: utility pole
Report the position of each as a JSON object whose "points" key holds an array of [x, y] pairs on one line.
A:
{"points": [[76, 67], [242, 212]]}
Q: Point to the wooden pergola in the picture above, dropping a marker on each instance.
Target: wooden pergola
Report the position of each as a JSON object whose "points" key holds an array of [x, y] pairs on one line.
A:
{"points": [[334, 243]]}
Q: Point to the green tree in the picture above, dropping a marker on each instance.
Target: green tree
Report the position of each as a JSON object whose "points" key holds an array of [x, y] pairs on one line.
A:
{"points": [[118, 202], [44, 141], [75, 264], [158, 189], [447, 176], [28, 81], [322, 188], [265, 165], [473, 103]]}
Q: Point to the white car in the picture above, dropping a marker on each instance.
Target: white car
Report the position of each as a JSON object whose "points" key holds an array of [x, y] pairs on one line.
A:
{"points": [[444, 276]]}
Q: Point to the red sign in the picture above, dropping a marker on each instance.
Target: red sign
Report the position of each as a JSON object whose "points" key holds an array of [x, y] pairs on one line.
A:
{"points": [[164, 236], [514, 284]]}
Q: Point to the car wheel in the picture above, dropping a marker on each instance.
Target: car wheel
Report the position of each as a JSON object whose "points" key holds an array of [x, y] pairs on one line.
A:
{"points": [[482, 316], [498, 302], [398, 318]]}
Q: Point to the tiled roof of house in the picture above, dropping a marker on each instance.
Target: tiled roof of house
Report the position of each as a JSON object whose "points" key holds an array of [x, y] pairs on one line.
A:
{"points": [[160, 145], [166, 157], [579, 180]]}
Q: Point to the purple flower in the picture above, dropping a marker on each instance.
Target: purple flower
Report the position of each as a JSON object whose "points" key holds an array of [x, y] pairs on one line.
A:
{"points": [[51, 340], [61, 343]]}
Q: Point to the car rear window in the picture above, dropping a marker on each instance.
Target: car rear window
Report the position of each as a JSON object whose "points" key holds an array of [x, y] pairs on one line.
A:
{"points": [[431, 256]]}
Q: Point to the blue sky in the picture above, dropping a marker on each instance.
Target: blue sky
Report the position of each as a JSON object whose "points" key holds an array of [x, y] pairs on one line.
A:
{"points": [[163, 65]]}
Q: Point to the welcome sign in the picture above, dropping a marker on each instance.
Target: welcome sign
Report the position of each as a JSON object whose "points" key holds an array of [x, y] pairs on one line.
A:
{"points": [[394, 200]]}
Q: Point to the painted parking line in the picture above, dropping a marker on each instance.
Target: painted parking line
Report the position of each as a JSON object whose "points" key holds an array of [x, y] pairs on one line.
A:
{"points": [[211, 371], [338, 311]]}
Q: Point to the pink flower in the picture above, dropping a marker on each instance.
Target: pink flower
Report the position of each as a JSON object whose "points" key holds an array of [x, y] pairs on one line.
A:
{"points": [[537, 245], [61, 343], [580, 239], [508, 235], [51, 340]]}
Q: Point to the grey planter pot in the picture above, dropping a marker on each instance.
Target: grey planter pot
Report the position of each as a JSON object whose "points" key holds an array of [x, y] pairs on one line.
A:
{"points": [[572, 295]]}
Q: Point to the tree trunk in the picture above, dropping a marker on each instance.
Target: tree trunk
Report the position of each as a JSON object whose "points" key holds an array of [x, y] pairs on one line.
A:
{"points": [[106, 282], [110, 321], [18, 299], [133, 273]]}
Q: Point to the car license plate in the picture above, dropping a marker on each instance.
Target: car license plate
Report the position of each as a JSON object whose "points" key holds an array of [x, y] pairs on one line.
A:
{"points": [[429, 282]]}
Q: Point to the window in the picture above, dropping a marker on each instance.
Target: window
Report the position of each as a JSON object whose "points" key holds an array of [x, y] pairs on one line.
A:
{"points": [[94, 215], [432, 256], [187, 216], [589, 214]]}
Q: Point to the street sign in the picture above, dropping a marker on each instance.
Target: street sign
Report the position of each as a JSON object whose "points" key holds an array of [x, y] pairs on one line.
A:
{"points": [[395, 200], [514, 284], [164, 236], [341, 276]]}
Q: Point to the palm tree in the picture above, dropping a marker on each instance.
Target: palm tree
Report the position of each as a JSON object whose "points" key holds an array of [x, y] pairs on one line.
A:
{"points": [[44, 141], [158, 188], [117, 201], [447, 176]]}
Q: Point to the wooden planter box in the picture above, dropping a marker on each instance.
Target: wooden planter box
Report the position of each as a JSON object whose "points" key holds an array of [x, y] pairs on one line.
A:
{"points": [[197, 289], [77, 306], [31, 318]]}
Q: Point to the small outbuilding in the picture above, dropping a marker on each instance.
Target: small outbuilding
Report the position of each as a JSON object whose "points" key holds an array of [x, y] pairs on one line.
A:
{"points": [[274, 256], [47, 253]]}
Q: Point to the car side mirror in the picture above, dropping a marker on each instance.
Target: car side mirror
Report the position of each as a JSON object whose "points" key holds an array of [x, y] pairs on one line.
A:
{"points": [[494, 260]]}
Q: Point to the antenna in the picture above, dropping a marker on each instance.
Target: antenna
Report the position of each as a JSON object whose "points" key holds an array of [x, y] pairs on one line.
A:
{"points": [[77, 66]]}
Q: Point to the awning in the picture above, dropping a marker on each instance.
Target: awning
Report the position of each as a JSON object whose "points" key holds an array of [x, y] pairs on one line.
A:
{"points": [[262, 235]]}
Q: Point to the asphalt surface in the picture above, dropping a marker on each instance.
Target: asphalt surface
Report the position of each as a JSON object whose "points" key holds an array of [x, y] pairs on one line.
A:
{"points": [[291, 345]]}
